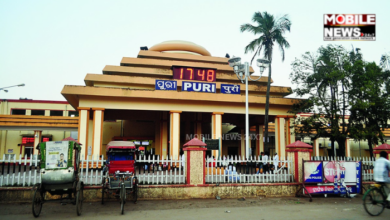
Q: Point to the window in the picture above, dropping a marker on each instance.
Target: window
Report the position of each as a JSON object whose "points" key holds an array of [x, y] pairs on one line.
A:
{"points": [[38, 112], [28, 145], [18, 112], [56, 113], [73, 113]]}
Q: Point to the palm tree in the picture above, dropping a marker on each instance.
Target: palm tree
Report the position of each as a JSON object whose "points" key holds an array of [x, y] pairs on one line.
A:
{"points": [[271, 31]]}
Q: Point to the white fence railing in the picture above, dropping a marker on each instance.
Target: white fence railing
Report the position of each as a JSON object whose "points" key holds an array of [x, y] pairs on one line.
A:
{"points": [[153, 170], [367, 164], [149, 170], [156, 170], [253, 170], [91, 172], [21, 172]]}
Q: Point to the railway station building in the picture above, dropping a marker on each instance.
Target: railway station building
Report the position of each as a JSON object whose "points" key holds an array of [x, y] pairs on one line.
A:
{"points": [[167, 95]]}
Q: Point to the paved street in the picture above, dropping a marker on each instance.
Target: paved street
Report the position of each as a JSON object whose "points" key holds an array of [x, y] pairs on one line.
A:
{"points": [[253, 208]]}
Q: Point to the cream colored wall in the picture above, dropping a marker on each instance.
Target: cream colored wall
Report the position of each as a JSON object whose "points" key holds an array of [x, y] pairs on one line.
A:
{"points": [[40, 106], [11, 142], [110, 130]]}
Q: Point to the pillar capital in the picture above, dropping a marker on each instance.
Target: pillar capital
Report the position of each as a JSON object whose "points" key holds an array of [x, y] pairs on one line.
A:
{"points": [[97, 109], [83, 108], [175, 111], [217, 113]]}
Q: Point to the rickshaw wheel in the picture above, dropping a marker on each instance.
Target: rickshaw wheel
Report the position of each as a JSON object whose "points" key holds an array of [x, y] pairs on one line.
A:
{"points": [[135, 192], [79, 199], [37, 202], [123, 197]]}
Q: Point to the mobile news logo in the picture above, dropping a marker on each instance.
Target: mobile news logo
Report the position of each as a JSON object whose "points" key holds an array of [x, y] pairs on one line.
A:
{"points": [[355, 27]]}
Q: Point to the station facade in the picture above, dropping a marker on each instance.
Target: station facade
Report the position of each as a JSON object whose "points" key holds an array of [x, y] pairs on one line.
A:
{"points": [[161, 99], [168, 117]]}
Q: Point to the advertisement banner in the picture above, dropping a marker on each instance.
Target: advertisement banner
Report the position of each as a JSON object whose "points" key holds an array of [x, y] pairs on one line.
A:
{"points": [[313, 172], [319, 189], [57, 154], [329, 189]]}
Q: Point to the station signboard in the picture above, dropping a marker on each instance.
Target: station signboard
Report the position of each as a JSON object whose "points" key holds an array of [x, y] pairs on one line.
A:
{"points": [[166, 85], [230, 89]]}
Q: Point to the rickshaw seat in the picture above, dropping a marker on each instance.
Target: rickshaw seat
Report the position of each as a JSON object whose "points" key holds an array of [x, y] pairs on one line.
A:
{"points": [[121, 165]]}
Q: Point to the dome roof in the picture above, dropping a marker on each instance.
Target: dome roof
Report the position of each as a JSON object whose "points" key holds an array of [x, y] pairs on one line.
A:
{"points": [[178, 46]]}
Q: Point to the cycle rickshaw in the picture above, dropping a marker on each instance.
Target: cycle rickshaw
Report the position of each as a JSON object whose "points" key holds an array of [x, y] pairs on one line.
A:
{"points": [[59, 171], [119, 172]]}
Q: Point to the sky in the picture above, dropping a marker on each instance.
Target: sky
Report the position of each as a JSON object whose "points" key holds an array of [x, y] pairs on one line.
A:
{"points": [[49, 44]]}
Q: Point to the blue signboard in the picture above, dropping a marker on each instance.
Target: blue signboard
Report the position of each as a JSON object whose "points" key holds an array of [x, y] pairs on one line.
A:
{"points": [[166, 85], [230, 89], [198, 87], [313, 171]]}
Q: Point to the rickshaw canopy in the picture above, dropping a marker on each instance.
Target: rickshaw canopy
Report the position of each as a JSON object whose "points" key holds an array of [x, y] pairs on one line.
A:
{"points": [[120, 145]]}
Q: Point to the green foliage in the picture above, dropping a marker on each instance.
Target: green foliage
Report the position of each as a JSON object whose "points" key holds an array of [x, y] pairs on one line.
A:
{"points": [[338, 83], [270, 31]]}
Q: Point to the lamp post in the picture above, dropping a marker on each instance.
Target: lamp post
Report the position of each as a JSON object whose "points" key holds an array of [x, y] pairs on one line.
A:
{"points": [[5, 88], [242, 72]]}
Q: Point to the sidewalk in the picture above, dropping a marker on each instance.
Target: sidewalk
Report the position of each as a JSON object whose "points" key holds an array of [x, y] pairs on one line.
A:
{"points": [[253, 208]]}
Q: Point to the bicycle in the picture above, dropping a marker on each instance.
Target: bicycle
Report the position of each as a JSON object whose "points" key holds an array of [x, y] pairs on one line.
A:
{"points": [[374, 200]]}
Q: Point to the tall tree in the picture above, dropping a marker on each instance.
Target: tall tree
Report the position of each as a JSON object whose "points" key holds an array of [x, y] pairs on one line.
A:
{"points": [[369, 104], [347, 96], [271, 31], [322, 77]]}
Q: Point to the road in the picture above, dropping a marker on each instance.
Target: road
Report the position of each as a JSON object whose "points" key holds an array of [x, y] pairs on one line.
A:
{"points": [[251, 208]]}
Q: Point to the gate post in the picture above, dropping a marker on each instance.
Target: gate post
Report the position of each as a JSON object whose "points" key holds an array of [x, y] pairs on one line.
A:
{"points": [[195, 154], [299, 151]]}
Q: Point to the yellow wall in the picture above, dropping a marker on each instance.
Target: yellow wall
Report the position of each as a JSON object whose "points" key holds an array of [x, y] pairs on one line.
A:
{"points": [[110, 130], [9, 139], [13, 138]]}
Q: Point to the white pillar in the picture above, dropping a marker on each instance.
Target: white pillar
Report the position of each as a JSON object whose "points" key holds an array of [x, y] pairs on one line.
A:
{"points": [[243, 152], [280, 142], [347, 148], [83, 129], [174, 134], [259, 141], [216, 125], [37, 140], [316, 146], [98, 118]]}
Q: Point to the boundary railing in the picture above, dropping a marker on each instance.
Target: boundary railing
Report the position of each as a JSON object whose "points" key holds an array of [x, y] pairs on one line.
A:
{"points": [[253, 170], [148, 169], [22, 172], [153, 170]]}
